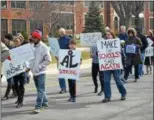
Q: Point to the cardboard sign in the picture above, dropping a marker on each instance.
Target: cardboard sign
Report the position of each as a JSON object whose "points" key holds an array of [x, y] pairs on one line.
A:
{"points": [[90, 39], [19, 58], [54, 46], [149, 51], [11, 70], [69, 64], [131, 49], [150, 42], [109, 54]]}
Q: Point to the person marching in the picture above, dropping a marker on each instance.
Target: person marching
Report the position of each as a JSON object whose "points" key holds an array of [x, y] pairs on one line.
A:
{"points": [[8, 41], [95, 70], [116, 75], [38, 67], [71, 82], [20, 78], [64, 44], [133, 58]]}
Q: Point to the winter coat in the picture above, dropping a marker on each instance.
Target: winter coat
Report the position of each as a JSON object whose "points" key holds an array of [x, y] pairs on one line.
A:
{"points": [[123, 36], [134, 59], [144, 42], [4, 52], [64, 42], [42, 59]]}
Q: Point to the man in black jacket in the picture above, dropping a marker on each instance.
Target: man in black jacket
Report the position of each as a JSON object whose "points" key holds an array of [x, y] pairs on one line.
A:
{"points": [[145, 45]]}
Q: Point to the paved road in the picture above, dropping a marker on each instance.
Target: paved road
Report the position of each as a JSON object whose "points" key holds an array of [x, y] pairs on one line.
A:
{"points": [[138, 106]]}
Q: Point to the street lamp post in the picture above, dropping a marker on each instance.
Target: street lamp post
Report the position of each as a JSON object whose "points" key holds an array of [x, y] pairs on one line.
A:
{"points": [[141, 16]]}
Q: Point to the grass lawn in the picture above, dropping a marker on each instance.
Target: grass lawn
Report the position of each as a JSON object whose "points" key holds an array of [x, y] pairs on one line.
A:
{"points": [[84, 55]]}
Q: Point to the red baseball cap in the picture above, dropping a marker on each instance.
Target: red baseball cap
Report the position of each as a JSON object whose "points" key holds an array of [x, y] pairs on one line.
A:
{"points": [[36, 35]]}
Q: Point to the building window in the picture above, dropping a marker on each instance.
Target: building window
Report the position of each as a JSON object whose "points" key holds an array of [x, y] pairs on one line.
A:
{"points": [[35, 5], [18, 4], [99, 3], [151, 23], [4, 4], [18, 26], [34, 24], [151, 6], [4, 27], [63, 2]]}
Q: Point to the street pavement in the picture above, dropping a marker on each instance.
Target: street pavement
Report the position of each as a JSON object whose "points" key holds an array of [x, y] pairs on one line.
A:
{"points": [[137, 106]]}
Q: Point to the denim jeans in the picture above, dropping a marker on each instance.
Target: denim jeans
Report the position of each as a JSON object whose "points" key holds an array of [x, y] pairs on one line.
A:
{"points": [[41, 94], [62, 83], [119, 83], [141, 65]]}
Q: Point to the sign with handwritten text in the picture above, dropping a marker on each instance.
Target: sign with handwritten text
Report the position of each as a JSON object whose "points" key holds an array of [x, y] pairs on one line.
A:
{"points": [[131, 49], [69, 64], [54, 46], [19, 57], [109, 54], [90, 39]]}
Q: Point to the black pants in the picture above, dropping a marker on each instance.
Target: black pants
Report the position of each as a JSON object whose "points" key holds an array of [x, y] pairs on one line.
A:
{"points": [[128, 69], [72, 88], [95, 71], [19, 87]]}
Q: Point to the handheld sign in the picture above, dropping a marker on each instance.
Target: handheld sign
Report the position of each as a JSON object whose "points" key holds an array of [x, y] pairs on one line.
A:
{"points": [[19, 57], [109, 54], [149, 51], [131, 49], [90, 39], [54, 46], [69, 64]]}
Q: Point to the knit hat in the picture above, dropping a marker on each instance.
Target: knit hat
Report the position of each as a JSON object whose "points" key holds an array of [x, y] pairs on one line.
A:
{"points": [[36, 35]]}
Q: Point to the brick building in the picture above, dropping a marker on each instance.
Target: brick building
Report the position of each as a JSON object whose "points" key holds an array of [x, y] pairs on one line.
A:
{"points": [[16, 17]]}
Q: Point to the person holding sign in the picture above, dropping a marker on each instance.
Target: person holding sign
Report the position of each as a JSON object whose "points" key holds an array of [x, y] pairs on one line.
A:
{"points": [[19, 79], [116, 73], [148, 59], [38, 67], [95, 70], [71, 82], [133, 54], [64, 44]]}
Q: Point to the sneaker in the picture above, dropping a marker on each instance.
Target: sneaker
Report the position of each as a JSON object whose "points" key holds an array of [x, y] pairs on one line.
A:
{"points": [[19, 105], [45, 107], [100, 93], [123, 97], [62, 91], [73, 100], [106, 100], [36, 111]]}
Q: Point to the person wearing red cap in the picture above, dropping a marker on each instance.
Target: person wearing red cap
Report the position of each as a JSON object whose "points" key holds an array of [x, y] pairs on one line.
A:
{"points": [[38, 67]]}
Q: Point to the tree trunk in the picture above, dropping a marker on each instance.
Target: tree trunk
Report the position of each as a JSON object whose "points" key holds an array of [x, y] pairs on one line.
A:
{"points": [[137, 21]]}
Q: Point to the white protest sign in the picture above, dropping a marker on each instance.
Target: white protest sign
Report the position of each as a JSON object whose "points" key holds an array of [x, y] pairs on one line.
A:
{"points": [[90, 39], [22, 54], [54, 46], [131, 49], [109, 54], [19, 56], [11, 70], [69, 64], [150, 42], [149, 51]]}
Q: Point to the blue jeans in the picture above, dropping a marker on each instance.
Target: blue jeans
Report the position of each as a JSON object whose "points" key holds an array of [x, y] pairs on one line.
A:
{"points": [[41, 94], [10, 81], [62, 83], [119, 83], [141, 65]]}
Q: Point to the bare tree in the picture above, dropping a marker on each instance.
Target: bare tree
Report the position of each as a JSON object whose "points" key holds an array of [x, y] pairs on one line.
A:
{"points": [[125, 10], [138, 7], [50, 12]]}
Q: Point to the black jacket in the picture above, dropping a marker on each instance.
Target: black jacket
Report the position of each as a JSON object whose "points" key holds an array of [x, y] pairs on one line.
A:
{"points": [[144, 41]]}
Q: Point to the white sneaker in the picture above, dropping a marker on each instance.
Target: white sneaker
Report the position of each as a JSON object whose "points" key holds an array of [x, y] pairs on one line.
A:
{"points": [[36, 111]]}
